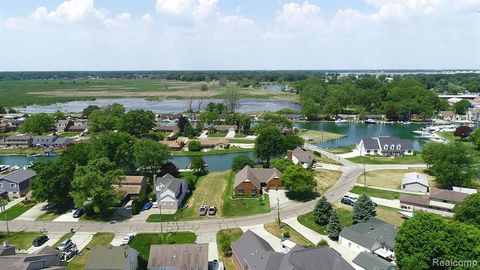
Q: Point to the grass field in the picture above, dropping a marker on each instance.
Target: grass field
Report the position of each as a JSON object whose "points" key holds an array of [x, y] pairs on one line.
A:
{"points": [[20, 151], [279, 232], [16, 210], [241, 141], [325, 179], [389, 195], [99, 239], [390, 178], [217, 134], [22, 240], [26, 92], [142, 242], [414, 159], [307, 220], [314, 136], [226, 238], [389, 215]]}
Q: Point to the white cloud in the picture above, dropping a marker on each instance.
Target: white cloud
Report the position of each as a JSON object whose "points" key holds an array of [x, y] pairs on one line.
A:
{"points": [[188, 8], [236, 21], [147, 17], [75, 10], [125, 16], [295, 14]]}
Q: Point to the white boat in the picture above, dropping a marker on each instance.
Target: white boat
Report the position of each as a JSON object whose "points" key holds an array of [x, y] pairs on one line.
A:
{"points": [[340, 121], [370, 121], [14, 168], [4, 167]]}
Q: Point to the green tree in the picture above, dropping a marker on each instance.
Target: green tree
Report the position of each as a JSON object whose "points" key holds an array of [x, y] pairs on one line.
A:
{"points": [[461, 107], [38, 124], [194, 146], [468, 211], [239, 162], [363, 209], [117, 147], [322, 211], [475, 137], [137, 122], [310, 109], [101, 121], [280, 164], [268, 144], [3, 110], [92, 184], [280, 121], [89, 109], [115, 110], [58, 115], [198, 165], [204, 87], [232, 97], [150, 156], [333, 227], [53, 183], [292, 141], [299, 182]]}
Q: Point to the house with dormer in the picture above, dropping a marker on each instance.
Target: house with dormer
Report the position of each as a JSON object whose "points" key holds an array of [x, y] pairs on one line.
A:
{"points": [[385, 146], [171, 191]]}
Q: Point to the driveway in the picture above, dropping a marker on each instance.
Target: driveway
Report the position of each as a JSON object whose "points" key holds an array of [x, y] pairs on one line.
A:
{"points": [[66, 217], [52, 239], [81, 239], [203, 135], [380, 201], [230, 134], [33, 212], [354, 153], [270, 238], [279, 197], [211, 239], [143, 215]]}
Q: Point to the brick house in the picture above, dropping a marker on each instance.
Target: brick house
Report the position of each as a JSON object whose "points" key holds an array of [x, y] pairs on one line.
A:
{"points": [[250, 181]]}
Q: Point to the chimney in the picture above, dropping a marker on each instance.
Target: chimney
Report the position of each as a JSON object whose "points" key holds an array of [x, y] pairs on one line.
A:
{"points": [[289, 155]]}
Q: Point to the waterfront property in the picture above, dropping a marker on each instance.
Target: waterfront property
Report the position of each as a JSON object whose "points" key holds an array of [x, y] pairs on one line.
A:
{"points": [[170, 191], [415, 181], [253, 252], [131, 186], [250, 181], [385, 146], [216, 143], [63, 125], [17, 183], [178, 256], [112, 258], [301, 156], [21, 141], [51, 141]]}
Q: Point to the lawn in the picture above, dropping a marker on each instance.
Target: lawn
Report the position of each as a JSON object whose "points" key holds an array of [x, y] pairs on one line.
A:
{"points": [[307, 220], [68, 134], [326, 179], [315, 136], [208, 191], [48, 216], [390, 178], [342, 150], [241, 141], [226, 238], [22, 240], [324, 159], [238, 207], [99, 239], [390, 215], [20, 151], [142, 242], [294, 236], [211, 152], [16, 210], [217, 134], [389, 195], [414, 159]]}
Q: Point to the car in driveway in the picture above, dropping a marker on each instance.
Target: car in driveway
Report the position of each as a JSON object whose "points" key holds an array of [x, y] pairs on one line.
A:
{"points": [[40, 240], [155, 205], [78, 213], [203, 210], [65, 245], [347, 201], [216, 265], [147, 205], [212, 211], [127, 238]]}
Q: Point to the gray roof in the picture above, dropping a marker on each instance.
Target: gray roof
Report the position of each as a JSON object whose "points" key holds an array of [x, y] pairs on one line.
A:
{"points": [[371, 234], [19, 176], [377, 143], [303, 155], [254, 251], [448, 195], [110, 257], [63, 141], [414, 177], [414, 199], [48, 137], [370, 143], [179, 256], [256, 175], [170, 182], [369, 261]]}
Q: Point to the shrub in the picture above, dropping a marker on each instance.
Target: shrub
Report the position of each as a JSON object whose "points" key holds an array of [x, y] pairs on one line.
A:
{"points": [[194, 146]]}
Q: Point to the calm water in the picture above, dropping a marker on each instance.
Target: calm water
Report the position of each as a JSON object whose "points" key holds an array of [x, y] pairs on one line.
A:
{"points": [[355, 132], [273, 87], [158, 106]]}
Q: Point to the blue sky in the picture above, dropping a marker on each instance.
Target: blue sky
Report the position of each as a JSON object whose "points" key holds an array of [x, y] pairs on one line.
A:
{"points": [[239, 34]]}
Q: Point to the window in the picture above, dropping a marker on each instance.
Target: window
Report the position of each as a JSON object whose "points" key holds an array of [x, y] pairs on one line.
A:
{"points": [[392, 147], [253, 192], [385, 147], [13, 185], [399, 147], [240, 192]]}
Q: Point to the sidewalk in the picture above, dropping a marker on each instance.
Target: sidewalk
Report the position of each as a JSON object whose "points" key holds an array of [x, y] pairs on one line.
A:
{"points": [[10, 204], [33, 212]]}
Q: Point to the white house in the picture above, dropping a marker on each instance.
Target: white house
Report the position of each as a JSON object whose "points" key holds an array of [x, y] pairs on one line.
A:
{"points": [[385, 146], [414, 181], [301, 156], [170, 191]]}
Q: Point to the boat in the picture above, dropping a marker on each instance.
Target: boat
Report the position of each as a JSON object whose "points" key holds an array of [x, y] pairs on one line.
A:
{"points": [[4, 167], [33, 155], [370, 121], [339, 120], [14, 168]]}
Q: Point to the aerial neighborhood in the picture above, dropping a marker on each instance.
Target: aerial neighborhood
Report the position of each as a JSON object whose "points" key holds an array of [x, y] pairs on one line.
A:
{"points": [[212, 185]]}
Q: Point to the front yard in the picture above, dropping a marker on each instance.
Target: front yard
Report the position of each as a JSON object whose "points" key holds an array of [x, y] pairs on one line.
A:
{"points": [[389, 195], [414, 159], [99, 239], [307, 220], [225, 238], [326, 179], [16, 210], [280, 231], [390, 178], [22, 240]]}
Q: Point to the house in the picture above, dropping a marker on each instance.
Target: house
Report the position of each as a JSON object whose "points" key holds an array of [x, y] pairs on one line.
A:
{"points": [[175, 145], [21, 141], [223, 128], [215, 143], [414, 181], [131, 186], [370, 261], [62, 142], [250, 181], [166, 128], [253, 252], [301, 156], [63, 125], [178, 256], [447, 115], [170, 191], [43, 141], [385, 146], [79, 125], [112, 258], [372, 236], [17, 183], [45, 258]]}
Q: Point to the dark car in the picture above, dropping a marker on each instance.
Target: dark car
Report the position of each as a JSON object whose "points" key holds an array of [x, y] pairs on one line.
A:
{"points": [[78, 213], [65, 245], [347, 201], [203, 210], [212, 210], [147, 205], [40, 240]]}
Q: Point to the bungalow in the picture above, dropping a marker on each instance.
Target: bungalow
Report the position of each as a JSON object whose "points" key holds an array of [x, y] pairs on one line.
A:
{"points": [[385, 146], [223, 128], [63, 125], [372, 236], [178, 256], [175, 145], [414, 181], [62, 142], [112, 258], [250, 181], [17, 183], [370, 261], [131, 186], [45, 258], [301, 156], [79, 125], [170, 191], [216, 143], [22, 141], [253, 252], [43, 141]]}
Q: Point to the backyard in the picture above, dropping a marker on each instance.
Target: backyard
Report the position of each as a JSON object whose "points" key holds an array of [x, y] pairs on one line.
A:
{"points": [[390, 178], [389, 195], [99, 239], [280, 231], [225, 238], [387, 214]]}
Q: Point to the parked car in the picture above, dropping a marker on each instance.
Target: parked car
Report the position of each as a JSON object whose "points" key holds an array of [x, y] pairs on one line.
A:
{"points": [[40, 240], [347, 201], [127, 238], [212, 210], [78, 213], [65, 245], [203, 210], [69, 253], [217, 265], [147, 205], [155, 204]]}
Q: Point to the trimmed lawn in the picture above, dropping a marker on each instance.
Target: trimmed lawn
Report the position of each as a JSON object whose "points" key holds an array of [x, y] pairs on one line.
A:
{"points": [[142, 242], [390, 215], [217, 134], [48, 216], [391, 178], [64, 237], [389, 195], [243, 206], [226, 238], [414, 159], [325, 179], [241, 141], [342, 150], [99, 239], [211, 152], [16, 210], [68, 134], [307, 220], [314, 136], [294, 236], [22, 240], [20, 151]]}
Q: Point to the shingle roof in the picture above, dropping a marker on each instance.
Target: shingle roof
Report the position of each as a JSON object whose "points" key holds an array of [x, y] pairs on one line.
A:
{"points": [[179, 256], [110, 257], [170, 182], [413, 199], [256, 175], [371, 232], [406, 144], [369, 261], [449, 195], [370, 143], [19, 176], [414, 177], [303, 155]]}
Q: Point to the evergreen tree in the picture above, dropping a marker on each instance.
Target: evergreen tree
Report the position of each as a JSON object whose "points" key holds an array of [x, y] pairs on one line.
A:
{"points": [[333, 227], [363, 209], [322, 210]]}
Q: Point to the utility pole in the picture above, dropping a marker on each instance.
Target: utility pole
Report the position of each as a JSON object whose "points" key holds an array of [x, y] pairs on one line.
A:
{"points": [[2, 206], [364, 176], [278, 211], [161, 225]]}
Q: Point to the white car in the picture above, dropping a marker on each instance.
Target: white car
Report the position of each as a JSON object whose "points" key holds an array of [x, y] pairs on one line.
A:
{"points": [[127, 238], [155, 205], [217, 265]]}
